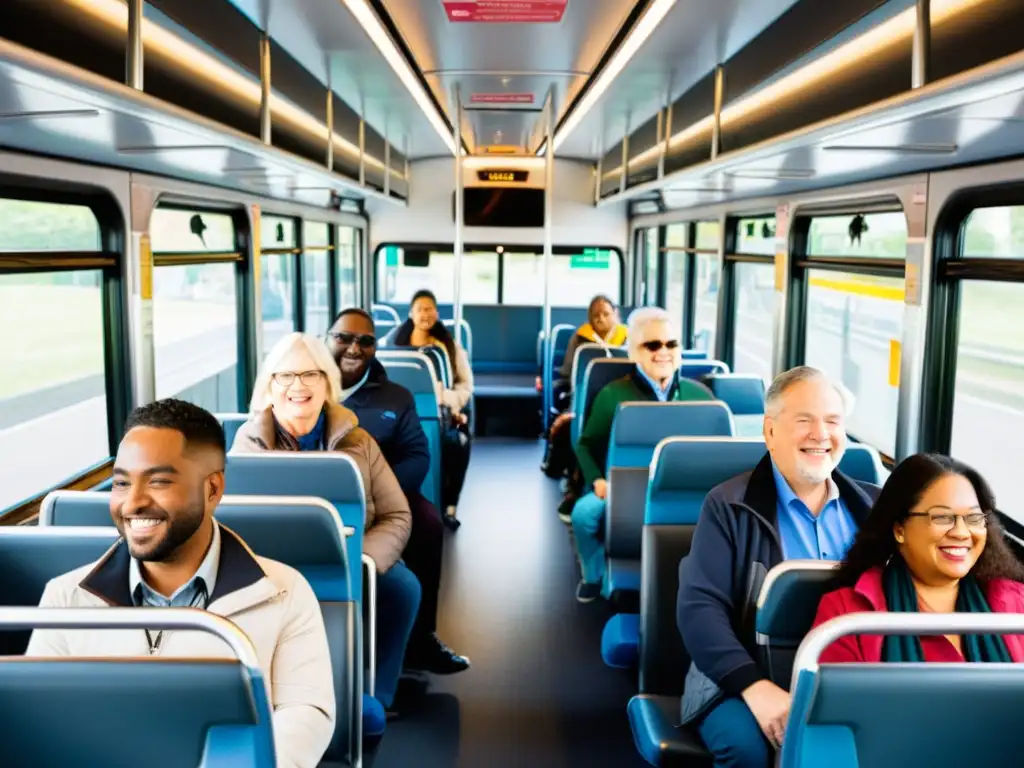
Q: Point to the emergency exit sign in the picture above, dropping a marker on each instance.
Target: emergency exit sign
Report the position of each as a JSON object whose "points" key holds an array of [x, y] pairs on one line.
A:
{"points": [[505, 11]]}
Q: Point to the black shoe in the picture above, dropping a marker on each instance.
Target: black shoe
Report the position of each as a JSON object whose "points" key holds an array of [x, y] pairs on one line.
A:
{"points": [[431, 655], [449, 518]]}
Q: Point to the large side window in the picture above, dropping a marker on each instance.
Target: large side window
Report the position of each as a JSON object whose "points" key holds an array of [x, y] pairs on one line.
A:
{"points": [[279, 243], [576, 277], [348, 269], [853, 325], [754, 299], [708, 276], [403, 271], [195, 307], [53, 396], [316, 251], [675, 270], [651, 261], [988, 402]]}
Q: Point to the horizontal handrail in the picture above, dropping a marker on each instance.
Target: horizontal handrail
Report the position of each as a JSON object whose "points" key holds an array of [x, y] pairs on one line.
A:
{"points": [[883, 623], [135, 618]]}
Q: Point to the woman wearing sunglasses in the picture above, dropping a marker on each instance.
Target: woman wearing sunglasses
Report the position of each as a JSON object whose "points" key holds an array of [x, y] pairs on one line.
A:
{"points": [[656, 352], [295, 407], [932, 543]]}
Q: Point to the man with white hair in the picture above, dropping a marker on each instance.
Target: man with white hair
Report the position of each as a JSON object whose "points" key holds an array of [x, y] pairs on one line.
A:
{"points": [[654, 347], [795, 504]]}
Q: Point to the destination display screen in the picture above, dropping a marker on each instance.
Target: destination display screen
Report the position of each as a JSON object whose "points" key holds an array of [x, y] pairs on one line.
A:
{"points": [[501, 175]]}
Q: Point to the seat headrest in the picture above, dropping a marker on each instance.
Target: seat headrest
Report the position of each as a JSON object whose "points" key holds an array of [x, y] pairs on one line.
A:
{"points": [[650, 423], [743, 392], [328, 475], [862, 462]]}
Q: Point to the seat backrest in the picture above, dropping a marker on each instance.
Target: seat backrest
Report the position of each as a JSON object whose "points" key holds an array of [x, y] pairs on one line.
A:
{"points": [[599, 374], [230, 423], [465, 338], [862, 462], [31, 556], [636, 432], [786, 608], [742, 392], [698, 368], [333, 476], [683, 470], [584, 354], [850, 715], [385, 312], [442, 368]]}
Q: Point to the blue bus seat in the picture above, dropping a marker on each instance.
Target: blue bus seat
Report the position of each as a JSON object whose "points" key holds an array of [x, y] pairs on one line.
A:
{"points": [[636, 432], [864, 463], [305, 533], [698, 368], [683, 470], [416, 375], [442, 365], [848, 715], [600, 372], [230, 422], [174, 712], [744, 394], [695, 354], [786, 607], [584, 354], [385, 313], [465, 338]]}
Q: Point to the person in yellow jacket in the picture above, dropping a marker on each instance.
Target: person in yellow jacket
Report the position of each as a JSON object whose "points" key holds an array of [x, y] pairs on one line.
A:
{"points": [[603, 327]]}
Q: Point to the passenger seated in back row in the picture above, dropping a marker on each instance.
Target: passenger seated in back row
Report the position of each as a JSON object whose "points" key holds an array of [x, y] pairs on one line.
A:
{"points": [[387, 411], [795, 504], [654, 348], [168, 479], [296, 407], [933, 543], [602, 327]]}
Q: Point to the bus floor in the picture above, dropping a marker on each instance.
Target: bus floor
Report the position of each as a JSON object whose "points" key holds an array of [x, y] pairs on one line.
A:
{"points": [[537, 693]]}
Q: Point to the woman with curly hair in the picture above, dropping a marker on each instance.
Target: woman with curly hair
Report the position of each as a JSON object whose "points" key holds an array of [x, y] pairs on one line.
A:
{"points": [[932, 543]]}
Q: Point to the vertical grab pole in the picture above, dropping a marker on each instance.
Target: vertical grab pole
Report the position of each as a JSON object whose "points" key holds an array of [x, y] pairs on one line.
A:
{"points": [[134, 58], [330, 119], [549, 179], [922, 53], [716, 133], [458, 247], [265, 124]]}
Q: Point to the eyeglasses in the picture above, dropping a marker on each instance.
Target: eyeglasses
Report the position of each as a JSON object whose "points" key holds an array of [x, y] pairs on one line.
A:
{"points": [[287, 378], [364, 340], [655, 346], [977, 521]]}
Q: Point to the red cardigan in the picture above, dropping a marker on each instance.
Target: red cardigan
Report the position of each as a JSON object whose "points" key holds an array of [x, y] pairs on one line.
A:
{"points": [[1003, 595]]}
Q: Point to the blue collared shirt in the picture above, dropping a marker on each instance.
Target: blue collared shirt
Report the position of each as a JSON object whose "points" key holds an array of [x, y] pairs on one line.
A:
{"points": [[661, 394], [186, 595], [806, 537]]}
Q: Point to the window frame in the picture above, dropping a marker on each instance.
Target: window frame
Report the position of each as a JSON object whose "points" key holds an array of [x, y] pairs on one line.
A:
{"points": [[730, 285], [109, 260], [952, 270], [557, 250], [802, 262]]}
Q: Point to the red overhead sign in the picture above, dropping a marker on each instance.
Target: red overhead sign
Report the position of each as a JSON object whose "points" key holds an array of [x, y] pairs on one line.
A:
{"points": [[505, 11], [501, 98]]}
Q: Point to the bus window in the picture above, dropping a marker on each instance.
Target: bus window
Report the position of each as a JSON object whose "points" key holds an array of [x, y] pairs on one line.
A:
{"points": [[853, 330], [316, 248], [708, 277], [348, 276], [651, 255], [277, 279], [876, 235], [675, 271], [398, 279], [988, 404], [755, 317], [195, 311], [575, 278], [53, 398]]}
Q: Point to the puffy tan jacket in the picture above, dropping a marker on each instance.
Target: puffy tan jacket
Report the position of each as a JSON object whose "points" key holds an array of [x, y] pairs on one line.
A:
{"points": [[388, 520], [269, 601]]}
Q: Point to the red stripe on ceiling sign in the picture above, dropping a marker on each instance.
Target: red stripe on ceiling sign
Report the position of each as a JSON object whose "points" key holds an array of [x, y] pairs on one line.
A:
{"points": [[505, 11], [501, 98]]}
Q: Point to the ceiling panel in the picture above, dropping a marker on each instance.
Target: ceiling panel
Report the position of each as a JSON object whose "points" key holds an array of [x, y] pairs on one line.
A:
{"points": [[507, 58], [692, 40]]}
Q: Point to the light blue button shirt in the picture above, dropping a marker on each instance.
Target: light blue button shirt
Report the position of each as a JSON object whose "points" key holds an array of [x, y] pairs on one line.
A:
{"points": [[661, 394], [806, 537], [186, 596]]}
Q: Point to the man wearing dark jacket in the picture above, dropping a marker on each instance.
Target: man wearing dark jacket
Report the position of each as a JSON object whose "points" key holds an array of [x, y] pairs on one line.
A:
{"points": [[795, 504], [388, 412]]}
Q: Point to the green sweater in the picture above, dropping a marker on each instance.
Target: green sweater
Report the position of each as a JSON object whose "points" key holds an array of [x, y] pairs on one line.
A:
{"points": [[592, 448]]}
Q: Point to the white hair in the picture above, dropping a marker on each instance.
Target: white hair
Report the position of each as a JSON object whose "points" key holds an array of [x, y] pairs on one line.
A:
{"points": [[787, 379], [272, 364], [639, 319]]}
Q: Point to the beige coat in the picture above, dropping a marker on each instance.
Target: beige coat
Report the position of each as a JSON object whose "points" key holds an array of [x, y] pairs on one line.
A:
{"points": [[388, 520], [270, 602]]}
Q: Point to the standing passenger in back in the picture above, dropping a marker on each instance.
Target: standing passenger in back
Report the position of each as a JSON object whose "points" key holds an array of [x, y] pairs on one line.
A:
{"points": [[388, 412], [795, 504], [168, 479]]}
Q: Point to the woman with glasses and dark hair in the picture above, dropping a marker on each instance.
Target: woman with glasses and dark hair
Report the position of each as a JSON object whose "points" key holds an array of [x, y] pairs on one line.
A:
{"points": [[296, 407], [424, 328], [656, 351], [932, 543]]}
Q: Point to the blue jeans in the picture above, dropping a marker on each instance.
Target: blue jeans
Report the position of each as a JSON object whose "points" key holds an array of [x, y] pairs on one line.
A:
{"points": [[733, 736], [587, 521], [398, 601]]}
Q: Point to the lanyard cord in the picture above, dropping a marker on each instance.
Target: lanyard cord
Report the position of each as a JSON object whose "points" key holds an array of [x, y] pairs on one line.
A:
{"points": [[201, 600]]}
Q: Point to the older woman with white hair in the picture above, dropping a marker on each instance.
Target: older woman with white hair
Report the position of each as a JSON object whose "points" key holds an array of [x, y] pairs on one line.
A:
{"points": [[655, 349], [295, 408]]}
